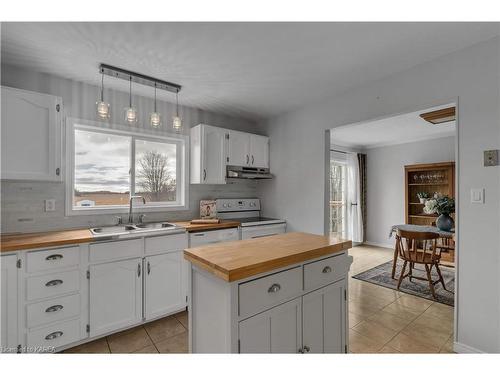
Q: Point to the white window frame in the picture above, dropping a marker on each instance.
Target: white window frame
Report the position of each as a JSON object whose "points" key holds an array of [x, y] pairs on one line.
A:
{"points": [[182, 172]]}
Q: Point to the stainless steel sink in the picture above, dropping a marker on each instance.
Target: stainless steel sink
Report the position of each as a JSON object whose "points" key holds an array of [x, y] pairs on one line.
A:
{"points": [[127, 230], [154, 225]]}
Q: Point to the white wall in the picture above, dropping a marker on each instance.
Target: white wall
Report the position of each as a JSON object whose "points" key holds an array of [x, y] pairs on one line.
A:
{"points": [[385, 182], [22, 203], [472, 75]]}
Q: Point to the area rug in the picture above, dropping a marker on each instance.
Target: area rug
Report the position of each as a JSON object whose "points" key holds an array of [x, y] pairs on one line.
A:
{"points": [[381, 275]]}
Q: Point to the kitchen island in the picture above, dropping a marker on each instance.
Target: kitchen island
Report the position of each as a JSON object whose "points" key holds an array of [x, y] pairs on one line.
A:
{"points": [[281, 294]]}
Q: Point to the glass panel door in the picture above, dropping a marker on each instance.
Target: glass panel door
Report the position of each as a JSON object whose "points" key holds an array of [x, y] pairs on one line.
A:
{"points": [[338, 198]]}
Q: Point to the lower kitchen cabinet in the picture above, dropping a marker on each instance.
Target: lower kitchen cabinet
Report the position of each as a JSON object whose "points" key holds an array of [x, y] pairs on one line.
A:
{"points": [[324, 319], [164, 284], [9, 339], [115, 295], [277, 330]]}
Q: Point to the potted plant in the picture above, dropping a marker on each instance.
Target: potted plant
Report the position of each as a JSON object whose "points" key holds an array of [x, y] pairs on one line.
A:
{"points": [[444, 207], [422, 196]]}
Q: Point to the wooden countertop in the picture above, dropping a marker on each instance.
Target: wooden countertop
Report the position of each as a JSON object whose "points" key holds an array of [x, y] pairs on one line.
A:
{"points": [[13, 242], [237, 260], [224, 224]]}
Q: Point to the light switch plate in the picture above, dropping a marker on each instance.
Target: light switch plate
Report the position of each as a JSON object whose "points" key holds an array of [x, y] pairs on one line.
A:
{"points": [[490, 158], [50, 205], [477, 196]]}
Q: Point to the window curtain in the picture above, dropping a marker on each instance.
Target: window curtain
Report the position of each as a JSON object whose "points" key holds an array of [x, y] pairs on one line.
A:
{"points": [[355, 222], [362, 191]]}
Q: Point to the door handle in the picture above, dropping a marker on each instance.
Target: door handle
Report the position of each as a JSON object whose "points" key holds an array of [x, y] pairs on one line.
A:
{"points": [[247, 159], [149, 268], [204, 174], [54, 308], [274, 288], [54, 335], [252, 159], [53, 282], [327, 269], [54, 257], [139, 270]]}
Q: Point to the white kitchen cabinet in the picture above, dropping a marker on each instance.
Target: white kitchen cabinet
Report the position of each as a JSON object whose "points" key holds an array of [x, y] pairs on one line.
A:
{"points": [[238, 148], [324, 319], [208, 154], [115, 295], [277, 330], [164, 284], [9, 337], [259, 151], [31, 135]]}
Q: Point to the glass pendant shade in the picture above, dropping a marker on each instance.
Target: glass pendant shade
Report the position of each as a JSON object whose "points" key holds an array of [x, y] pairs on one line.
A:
{"points": [[131, 115], [103, 110], [155, 119], [177, 123]]}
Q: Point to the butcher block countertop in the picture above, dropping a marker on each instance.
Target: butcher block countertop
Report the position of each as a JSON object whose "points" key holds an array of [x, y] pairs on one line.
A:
{"points": [[237, 260], [224, 224], [15, 242]]}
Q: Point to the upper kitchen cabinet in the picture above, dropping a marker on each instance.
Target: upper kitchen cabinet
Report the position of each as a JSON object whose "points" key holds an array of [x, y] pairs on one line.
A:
{"points": [[248, 150], [31, 135], [208, 154]]}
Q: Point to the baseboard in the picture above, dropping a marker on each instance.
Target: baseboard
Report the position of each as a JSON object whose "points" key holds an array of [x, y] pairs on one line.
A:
{"points": [[465, 349], [377, 244]]}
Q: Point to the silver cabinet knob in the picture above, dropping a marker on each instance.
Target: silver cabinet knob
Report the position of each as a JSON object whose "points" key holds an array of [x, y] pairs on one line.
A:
{"points": [[54, 257], [54, 308], [54, 335], [274, 288], [327, 269], [53, 282]]}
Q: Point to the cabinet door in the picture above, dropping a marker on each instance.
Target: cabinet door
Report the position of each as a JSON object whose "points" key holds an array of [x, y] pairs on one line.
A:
{"points": [[164, 289], [214, 150], [239, 148], [259, 151], [324, 319], [31, 135], [115, 295], [9, 337], [278, 330]]}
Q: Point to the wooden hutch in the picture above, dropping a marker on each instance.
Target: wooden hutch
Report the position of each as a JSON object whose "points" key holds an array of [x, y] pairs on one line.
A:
{"points": [[430, 178]]}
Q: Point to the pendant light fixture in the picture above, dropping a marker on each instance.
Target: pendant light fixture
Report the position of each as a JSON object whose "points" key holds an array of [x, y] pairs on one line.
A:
{"points": [[102, 108], [155, 118], [177, 122], [130, 112]]}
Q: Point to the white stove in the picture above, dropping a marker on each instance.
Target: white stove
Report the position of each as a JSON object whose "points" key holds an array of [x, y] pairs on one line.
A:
{"points": [[247, 212]]}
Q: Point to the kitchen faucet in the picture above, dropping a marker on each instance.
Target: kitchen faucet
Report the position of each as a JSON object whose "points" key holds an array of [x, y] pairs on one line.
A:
{"points": [[130, 216]]}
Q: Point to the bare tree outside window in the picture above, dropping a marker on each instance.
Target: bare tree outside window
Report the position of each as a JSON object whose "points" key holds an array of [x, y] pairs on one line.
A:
{"points": [[154, 178]]}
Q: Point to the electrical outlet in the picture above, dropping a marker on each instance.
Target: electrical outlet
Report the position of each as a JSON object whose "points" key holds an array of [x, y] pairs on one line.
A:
{"points": [[50, 205], [477, 196], [490, 158]]}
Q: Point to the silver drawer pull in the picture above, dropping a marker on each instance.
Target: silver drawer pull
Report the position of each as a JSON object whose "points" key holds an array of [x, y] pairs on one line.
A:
{"points": [[54, 308], [274, 288], [54, 282], [54, 335], [327, 269], [54, 257]]}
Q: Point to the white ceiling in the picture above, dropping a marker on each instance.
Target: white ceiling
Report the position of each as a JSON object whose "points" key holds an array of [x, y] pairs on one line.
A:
{"points": [[252, 70], [405, 128]]}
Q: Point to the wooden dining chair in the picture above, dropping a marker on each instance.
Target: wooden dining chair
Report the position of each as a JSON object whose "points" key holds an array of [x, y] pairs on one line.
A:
{"points": [[419, 248]]}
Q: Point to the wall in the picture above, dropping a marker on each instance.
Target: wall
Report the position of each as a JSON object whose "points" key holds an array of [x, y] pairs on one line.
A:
{"points": [[472, 74], [23, 203], [385, 181]]}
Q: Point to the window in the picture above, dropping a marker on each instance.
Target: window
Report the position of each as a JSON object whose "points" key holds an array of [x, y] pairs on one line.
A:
{"points": [[107, 166], [338, 196]]}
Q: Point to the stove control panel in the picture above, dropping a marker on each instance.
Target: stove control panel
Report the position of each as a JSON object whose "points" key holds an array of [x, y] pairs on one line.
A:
{"points": [[231, 205]]}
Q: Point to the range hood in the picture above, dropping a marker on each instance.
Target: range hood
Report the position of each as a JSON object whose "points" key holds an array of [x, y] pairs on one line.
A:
{"points": [[251, 173]]}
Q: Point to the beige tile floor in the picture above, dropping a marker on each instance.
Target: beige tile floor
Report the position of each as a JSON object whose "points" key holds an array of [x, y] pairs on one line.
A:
{"points": [[381, 320]]}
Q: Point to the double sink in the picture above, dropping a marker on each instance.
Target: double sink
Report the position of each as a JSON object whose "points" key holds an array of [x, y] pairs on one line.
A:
{"points": [[140, 229]]}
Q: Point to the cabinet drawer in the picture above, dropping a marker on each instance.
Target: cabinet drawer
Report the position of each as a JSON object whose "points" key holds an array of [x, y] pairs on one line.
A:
{"points": [[162, 244], [52, 310], [52, 259], [325, 271], [259, 294], [116, 250], [52, 285], [55, 335]]}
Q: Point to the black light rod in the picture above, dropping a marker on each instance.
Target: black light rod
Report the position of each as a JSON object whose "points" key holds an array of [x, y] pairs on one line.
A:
{"points": [[139, 78]]}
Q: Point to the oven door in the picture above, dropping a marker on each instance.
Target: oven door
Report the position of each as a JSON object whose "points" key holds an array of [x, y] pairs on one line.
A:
{"points": [[262, 231]]}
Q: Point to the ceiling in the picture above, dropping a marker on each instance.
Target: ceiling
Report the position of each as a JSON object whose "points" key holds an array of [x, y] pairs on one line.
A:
{"points": [[252, 70], [405, 128]]}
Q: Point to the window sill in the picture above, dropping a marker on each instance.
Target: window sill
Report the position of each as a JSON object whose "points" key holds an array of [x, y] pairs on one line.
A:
{"points": [[124, 210]]}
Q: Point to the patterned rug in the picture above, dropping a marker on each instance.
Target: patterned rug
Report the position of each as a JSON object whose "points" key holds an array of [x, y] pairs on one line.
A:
{"points": [[381, 275]]}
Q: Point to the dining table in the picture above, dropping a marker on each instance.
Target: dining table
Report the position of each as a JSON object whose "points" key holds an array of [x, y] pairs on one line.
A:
{"points": [[446, 235]]}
